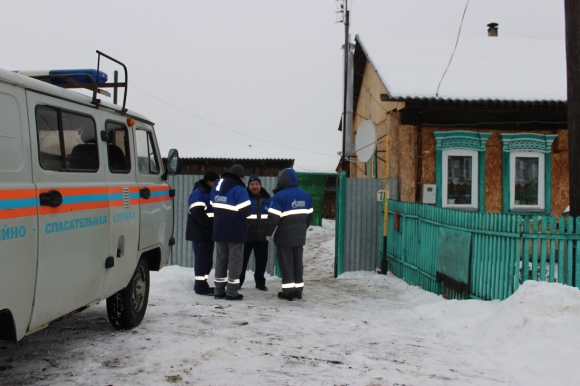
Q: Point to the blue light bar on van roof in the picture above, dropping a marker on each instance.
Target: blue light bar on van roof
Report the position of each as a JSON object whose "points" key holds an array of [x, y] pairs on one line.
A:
{"points": [[46, 75]]}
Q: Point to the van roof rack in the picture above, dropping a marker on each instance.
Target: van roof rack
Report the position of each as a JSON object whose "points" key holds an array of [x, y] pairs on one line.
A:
{"points": [[90, 79]]}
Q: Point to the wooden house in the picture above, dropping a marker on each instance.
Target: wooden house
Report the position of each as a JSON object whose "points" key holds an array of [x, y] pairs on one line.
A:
{"points": [[486, 134]]}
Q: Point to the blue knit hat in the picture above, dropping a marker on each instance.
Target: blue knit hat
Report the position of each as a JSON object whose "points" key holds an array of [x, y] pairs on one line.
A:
{"points": [[254, 177]]}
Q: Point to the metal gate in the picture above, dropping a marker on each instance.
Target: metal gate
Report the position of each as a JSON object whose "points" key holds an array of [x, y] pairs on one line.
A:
{"points": [[359, 224]]}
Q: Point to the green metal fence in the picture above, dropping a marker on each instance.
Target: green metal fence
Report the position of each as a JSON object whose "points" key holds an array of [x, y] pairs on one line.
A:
{"points": [[506, 249]]}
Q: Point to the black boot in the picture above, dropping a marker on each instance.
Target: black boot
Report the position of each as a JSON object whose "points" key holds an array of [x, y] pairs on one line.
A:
{"points": [[290, 297], [208, 292], [238, 297], [262, 287]]}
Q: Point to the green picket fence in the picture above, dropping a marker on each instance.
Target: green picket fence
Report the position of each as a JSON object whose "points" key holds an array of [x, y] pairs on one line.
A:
{"points": [[506, 249]]}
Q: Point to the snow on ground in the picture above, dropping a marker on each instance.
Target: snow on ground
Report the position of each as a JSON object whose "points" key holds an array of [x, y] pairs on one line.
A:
{"points": [[360, 329]]}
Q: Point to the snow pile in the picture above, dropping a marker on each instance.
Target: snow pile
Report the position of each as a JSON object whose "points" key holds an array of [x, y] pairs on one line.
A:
{"points": [[538, 325]]}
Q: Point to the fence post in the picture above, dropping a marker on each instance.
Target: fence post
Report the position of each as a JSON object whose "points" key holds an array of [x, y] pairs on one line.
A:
{"points": [[340, 225]]}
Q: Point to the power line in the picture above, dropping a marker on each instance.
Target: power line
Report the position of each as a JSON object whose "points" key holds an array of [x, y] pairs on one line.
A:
{"points": [[225, 128], [452, 54]]}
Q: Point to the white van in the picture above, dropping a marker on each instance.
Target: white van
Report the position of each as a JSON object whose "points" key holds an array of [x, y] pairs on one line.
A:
{"points": [[85, 209]]}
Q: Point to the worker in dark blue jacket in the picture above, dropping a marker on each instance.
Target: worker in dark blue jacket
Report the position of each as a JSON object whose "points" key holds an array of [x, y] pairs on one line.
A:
{"points": [[231, 206], [289, 217], [256, 239], [199, 231]]}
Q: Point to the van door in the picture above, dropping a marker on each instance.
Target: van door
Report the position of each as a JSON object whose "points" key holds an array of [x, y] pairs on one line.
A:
{"points": [[124, 203], [18, 211], [73, 200], [156, 204]]}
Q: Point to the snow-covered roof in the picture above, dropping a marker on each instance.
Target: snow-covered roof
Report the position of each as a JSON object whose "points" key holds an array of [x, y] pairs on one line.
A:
{"points": [[483, 68]]}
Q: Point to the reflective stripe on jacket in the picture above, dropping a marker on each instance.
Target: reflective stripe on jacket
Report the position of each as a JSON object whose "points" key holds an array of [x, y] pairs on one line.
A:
{"points": [[290, 212], [258, 220], [231, 205], [200, 214]]}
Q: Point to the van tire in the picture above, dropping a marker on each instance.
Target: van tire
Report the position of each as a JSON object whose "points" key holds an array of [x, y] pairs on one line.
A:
{"points": [[127, 307]]}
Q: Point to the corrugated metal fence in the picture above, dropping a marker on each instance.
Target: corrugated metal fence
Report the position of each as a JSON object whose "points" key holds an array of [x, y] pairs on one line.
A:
{"points": [[182, 252], [363, 224], [360, 223]]}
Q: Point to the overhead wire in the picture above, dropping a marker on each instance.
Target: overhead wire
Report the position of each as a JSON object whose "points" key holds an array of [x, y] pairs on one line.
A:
{"points": [[228, 129], [455, 48]]}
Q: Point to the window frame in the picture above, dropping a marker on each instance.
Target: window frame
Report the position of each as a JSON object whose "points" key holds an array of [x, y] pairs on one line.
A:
{"points": [[527, 144], [62, 145], [474, 178], [127, 147], [541, 181], [151, 150], [458, 140]]}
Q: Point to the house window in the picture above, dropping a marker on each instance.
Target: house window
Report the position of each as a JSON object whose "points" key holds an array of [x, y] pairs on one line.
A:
{"points": [[460, 189], [526, 172], [527, 180], [460, 169]]}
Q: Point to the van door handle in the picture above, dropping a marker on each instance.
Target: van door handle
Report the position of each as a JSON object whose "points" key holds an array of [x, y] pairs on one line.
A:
{"points": [[145, 193], [52, 198]]}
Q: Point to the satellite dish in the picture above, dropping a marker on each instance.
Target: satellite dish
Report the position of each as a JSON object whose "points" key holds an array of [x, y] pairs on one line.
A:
{"points": [[366, 141]]}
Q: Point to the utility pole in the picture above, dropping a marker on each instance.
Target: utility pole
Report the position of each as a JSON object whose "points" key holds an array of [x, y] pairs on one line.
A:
{"points": [[572, 12], [345, 165]]}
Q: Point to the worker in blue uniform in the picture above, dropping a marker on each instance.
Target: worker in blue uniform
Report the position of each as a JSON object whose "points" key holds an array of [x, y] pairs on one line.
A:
{"points": [[289, 217], [256, 239], [231, 205], [199, 231]]}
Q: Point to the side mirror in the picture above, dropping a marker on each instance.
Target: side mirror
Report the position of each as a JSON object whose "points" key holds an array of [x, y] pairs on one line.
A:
{"points": [[173, 162]]}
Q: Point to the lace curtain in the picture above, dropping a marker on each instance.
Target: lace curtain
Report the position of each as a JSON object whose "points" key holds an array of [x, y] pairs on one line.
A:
{"points": [[459, 170], [526, 170]]}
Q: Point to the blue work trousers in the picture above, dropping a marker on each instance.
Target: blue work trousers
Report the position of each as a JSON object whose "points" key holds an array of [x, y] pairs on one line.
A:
{"points": [[202, 264]]}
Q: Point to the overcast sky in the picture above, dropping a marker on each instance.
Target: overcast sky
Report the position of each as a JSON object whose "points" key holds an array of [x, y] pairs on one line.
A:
{"points": [[245, 79]]}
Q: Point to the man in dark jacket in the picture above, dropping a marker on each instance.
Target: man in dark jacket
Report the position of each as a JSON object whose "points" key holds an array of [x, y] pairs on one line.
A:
{"points": [[289, 216], [231, 206], [199, 231], [256, 239]]}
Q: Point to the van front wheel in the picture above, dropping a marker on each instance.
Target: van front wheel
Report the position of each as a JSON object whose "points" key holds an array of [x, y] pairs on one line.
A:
{"points": [[127, 307]]}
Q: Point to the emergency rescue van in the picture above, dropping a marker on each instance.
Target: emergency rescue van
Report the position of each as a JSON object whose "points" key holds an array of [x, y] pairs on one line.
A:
{"points": [[85, 208]]}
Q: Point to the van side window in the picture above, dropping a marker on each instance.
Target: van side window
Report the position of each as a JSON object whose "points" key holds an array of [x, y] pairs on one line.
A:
{"points": [[118, 148], [66, 141], [147, 157]]}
